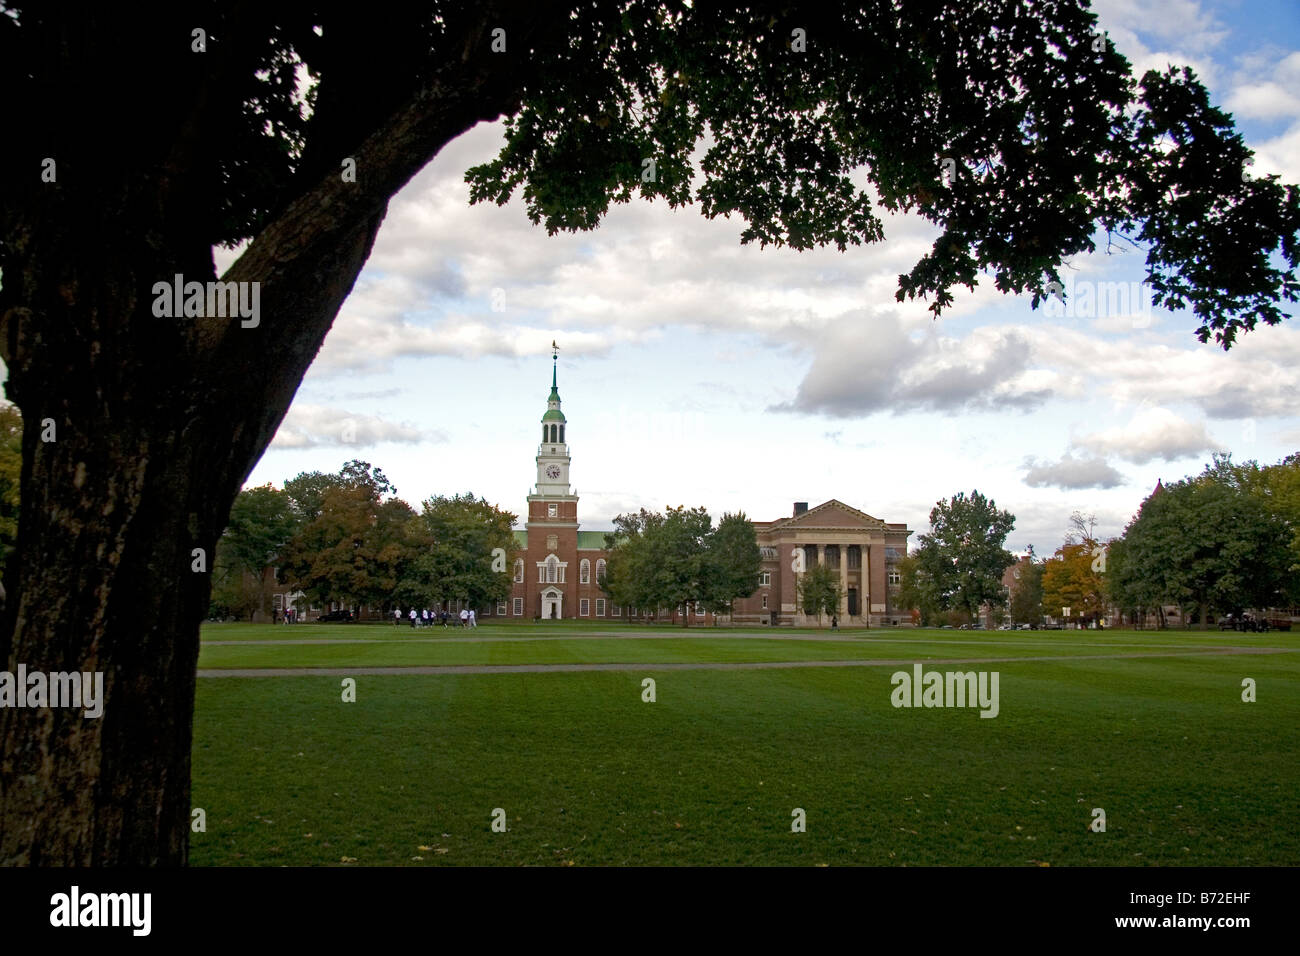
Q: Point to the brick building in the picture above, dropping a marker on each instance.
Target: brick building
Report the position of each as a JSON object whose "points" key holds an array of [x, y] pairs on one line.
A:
{"points": [[557, 575]]}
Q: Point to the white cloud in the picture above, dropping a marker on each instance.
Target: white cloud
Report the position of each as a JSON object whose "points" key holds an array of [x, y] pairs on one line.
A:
{"points": [[319, 426], [1266, 100], [865, 363], [1071, 473], [1155, 433]]}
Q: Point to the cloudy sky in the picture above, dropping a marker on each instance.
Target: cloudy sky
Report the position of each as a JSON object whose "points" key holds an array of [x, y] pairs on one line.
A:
{"points": [[696, 371]]}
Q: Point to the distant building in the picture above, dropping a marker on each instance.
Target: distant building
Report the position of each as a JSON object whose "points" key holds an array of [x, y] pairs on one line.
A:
{"points": [[558, 573]]}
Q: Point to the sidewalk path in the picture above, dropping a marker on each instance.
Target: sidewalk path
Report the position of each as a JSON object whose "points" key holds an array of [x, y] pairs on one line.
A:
{"points": [[706, 665]]}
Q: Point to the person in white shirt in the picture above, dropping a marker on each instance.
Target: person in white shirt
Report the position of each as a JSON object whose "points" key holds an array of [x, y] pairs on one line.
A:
{"points": [[464, 618], [412, 616], [473, 618], [397, 616]]}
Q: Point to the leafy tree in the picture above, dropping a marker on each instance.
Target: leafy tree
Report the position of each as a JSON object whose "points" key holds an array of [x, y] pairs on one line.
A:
{"points": [[819, 591], [161, 418], [1128, 589], [1277, 487], [458, 558], [962, 558], [678, 558], [1027, 594], [918, 590], [261, 525], [307, 493], [357, 547], [1072, 578], [678, 546], [1207, 545], [1281, 486], [628, 563], [732, 563], [235, 593]]}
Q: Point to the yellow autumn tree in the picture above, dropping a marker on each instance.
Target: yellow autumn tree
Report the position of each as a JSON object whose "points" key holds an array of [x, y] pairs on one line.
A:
{"points": [[1072, 578]]}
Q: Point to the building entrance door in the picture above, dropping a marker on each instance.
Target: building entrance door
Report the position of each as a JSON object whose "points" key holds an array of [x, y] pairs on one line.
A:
{"points": [[552, 604], [853, 602]]}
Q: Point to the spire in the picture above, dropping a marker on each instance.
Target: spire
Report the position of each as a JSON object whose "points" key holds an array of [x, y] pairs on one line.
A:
{"points": [[553, 413], [555, 359]]}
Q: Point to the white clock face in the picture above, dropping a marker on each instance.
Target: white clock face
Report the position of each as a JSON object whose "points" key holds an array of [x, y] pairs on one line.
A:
{"points": [[553, 471]]}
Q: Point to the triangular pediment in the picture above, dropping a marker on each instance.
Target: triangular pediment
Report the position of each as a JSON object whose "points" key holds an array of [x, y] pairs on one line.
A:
{"points": [[829, 514]]}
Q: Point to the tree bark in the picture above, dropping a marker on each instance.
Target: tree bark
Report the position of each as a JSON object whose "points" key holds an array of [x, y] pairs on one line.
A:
{"points": [[158, 421]]}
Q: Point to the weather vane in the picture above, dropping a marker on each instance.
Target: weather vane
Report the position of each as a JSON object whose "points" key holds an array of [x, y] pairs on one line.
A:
{"points": [[555, 351]]}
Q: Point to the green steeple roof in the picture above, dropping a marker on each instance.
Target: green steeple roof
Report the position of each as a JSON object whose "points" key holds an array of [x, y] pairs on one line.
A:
{"points": [[553, 414]]}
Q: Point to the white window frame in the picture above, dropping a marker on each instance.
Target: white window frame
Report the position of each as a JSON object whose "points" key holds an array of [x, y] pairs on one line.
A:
{"points": [[584, 571], [600, 569], [519, 571], [600, 607], [765, 579], [584, 608], [519, 607], [616, 611], [699, 611], [501, 608], [764, 602]]}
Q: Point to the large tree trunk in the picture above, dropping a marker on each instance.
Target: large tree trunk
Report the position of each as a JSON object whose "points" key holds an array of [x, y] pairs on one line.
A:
{"points": [[120, 515], [158, 421]]}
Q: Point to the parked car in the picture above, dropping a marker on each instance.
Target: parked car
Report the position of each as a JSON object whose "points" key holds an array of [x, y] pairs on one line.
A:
{"points": [[343, 615]]}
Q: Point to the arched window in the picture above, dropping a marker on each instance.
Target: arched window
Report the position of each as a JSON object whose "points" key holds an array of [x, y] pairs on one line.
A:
{"points": [[546, 432], [551, 566], [600, 570], [519, 571], [584, 572], [561, 433]]}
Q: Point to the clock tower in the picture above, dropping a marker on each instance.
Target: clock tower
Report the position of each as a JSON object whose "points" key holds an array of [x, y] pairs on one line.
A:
{"points": [[549, 580], [553, 453]]}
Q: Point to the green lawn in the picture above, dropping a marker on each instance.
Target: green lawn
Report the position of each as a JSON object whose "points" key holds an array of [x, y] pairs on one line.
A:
{"points": [[709, 774]]}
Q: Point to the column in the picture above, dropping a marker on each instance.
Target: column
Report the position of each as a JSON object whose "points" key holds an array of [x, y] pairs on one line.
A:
{"points": [[844, 582], [864, 595]]}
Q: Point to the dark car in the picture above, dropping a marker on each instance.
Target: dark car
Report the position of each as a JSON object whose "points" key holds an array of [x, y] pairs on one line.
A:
{"points": [[336, 616]]}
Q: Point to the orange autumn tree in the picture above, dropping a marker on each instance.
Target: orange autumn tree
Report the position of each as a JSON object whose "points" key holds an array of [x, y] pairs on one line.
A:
{"points": [[1072, 577]]}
